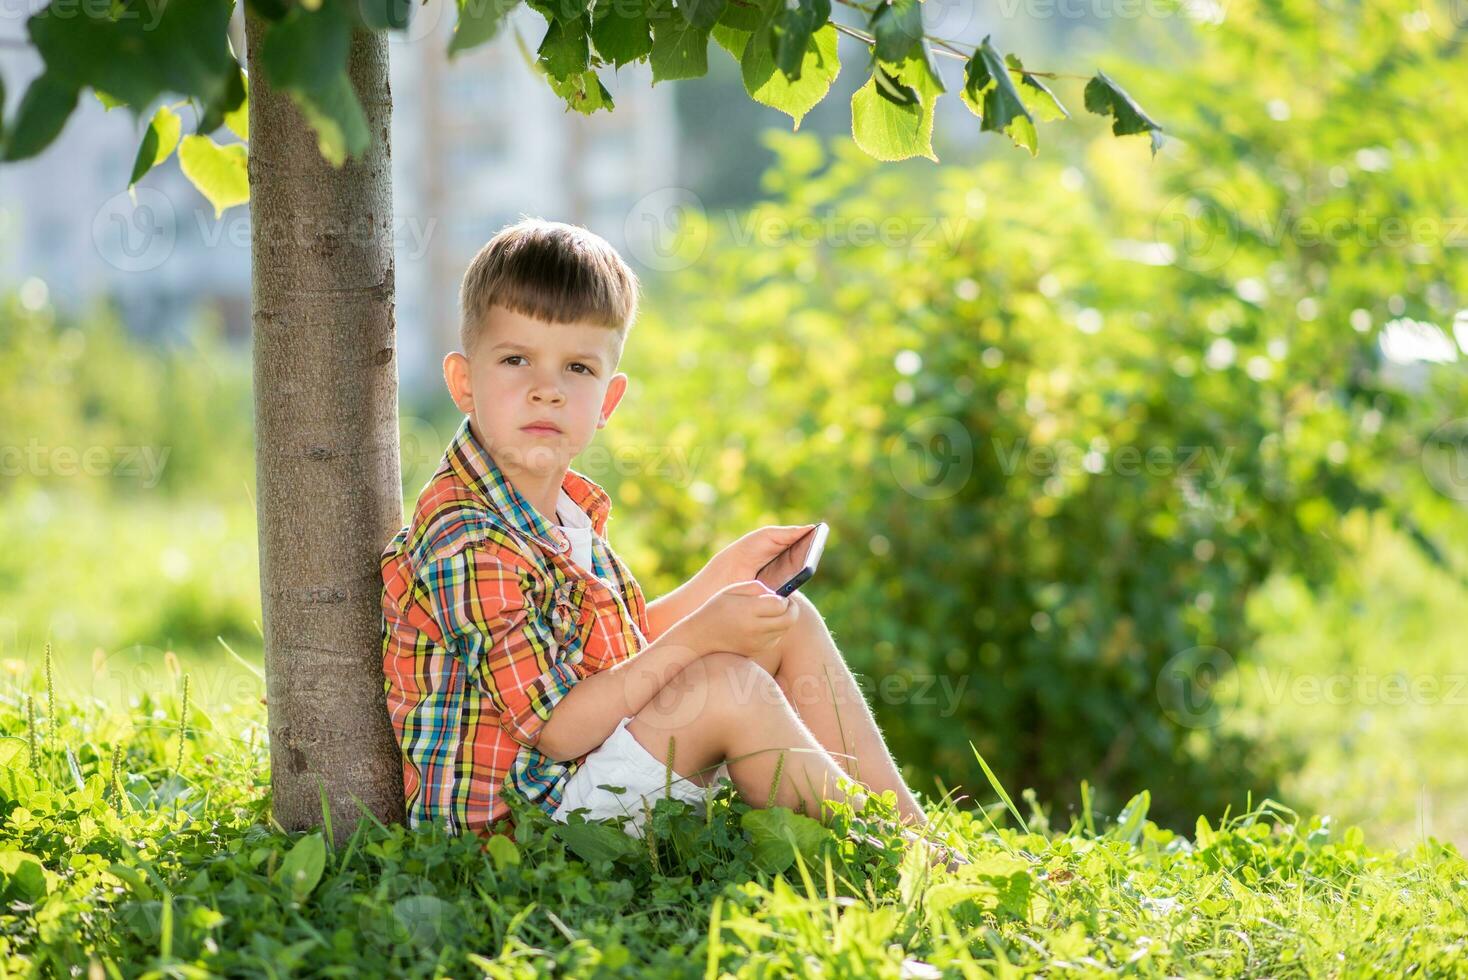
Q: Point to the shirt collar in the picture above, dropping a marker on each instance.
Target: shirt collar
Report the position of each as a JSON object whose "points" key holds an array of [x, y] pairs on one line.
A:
{"points": [[477, 469]]}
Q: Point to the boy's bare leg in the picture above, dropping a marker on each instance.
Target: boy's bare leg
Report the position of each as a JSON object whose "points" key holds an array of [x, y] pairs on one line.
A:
{"points": [[726, 707], [819, 685]]}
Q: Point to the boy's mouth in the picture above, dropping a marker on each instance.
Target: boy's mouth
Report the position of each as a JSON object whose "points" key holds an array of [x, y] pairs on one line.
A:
{"points": [[541, 429]]}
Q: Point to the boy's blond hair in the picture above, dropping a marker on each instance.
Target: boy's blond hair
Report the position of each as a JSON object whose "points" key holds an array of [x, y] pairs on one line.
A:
{"points": [[551, 271]]}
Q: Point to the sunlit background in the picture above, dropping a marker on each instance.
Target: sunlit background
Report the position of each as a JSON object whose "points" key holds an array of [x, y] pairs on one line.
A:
{"points": [[1144, 472]]}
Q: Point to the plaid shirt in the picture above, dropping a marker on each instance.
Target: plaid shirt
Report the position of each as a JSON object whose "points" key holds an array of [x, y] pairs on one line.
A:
{"points": [[487, 623]]}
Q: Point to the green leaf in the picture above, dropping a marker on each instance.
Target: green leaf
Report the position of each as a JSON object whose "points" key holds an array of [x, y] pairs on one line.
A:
{"points": [[502, 851], [998, 788], [892, 119], [337, 117], [219, 172], [230, 108], [990, 92], [897, 27], [679, 49], [702, 13], [136, 879], [778, 833], [1128, 825], [598, 841], [620, 31], [22, 877], [731, 39], [1105, 97], [791, 30], [181, 46], [238, 118], [749, 15], [301, 870], [159, 140], [770, 87], [308, 50], [479, 21], [13, 751], [1041, 101], [306, 55], [563, 52], [997, 883], [584, 92], [43, 111]]}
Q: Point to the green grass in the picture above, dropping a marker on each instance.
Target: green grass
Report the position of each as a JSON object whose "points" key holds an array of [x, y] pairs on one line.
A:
{"points": [[138, 841]]}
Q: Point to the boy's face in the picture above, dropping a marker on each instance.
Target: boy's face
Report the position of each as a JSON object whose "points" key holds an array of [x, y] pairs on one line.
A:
{"points": [[525, 371]]}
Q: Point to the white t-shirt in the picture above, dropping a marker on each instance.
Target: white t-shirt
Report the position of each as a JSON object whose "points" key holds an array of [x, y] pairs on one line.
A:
{"points": [[576, 525]]}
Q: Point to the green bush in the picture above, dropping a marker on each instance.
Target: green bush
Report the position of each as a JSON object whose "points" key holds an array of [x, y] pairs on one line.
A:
{"points": [[1065, 422]]}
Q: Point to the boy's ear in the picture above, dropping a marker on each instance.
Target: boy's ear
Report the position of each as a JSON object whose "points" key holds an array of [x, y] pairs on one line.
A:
{"points": [[456, 377], [616, 388]]}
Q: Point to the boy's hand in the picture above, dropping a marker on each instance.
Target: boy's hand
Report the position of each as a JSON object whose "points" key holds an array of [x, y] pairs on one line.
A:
{"points": [[742, 560], [746, 618]]}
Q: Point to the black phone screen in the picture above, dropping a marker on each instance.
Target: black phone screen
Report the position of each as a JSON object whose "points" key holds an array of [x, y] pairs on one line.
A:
{"points": [[794, 566]]}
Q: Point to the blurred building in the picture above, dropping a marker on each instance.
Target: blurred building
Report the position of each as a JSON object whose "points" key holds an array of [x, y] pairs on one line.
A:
{"points": [[477, 141]]}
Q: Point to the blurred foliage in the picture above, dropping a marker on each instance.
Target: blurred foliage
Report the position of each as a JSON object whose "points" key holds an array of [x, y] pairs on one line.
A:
{"points": [[125, 487], [1369, 675], [1065, 420]]}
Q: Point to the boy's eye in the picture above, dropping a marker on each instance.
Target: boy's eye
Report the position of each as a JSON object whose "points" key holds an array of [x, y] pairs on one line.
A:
{"points": [[580, 365], [575, 364]]}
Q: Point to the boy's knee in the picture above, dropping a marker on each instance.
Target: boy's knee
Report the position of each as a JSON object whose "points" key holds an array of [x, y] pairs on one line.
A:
{"points": [[737, 687], [703, 691]]}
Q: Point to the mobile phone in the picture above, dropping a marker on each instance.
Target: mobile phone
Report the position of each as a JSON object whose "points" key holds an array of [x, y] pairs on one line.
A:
{"points": [[794, 566]]}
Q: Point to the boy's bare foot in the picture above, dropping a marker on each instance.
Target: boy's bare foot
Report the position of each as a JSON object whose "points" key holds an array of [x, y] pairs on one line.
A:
{"points": [[951, 858]]}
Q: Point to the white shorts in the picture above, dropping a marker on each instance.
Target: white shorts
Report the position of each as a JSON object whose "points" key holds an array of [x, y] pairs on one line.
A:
{"points": [[621, 761]]}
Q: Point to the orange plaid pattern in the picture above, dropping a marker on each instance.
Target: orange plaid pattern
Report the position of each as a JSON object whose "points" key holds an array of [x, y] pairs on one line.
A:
{"points": [[487, 624]]}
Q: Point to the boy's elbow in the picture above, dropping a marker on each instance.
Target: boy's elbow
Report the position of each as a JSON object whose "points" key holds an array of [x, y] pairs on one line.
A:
{"points": [[548, 742]]}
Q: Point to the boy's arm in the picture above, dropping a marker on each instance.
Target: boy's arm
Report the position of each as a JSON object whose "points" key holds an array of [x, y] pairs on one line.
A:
{"points": [[663, 612], [587, 714], [513, 659], [738, 561]]}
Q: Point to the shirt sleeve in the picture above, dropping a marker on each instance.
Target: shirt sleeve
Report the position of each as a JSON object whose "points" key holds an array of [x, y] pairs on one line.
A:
{"points": [[502, 640]]}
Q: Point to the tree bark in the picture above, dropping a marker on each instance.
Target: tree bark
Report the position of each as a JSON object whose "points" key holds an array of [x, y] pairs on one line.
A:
{"points": [[326, 446]]}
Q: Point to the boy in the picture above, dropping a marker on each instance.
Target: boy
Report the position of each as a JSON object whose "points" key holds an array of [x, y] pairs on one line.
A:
{"points": [[518, 649]]}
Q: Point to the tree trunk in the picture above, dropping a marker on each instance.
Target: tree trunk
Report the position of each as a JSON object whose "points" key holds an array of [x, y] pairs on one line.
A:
{"points": [[326, 446]]}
